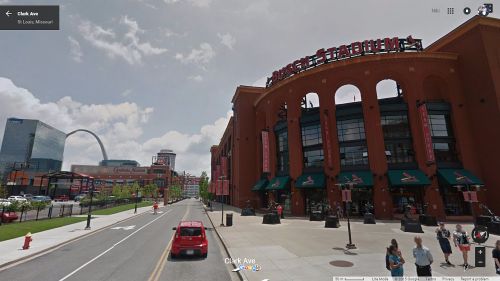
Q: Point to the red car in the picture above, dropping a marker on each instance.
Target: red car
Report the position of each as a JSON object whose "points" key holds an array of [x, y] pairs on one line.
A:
{"points": [[62, 198], [190, 239], [8, 216]]}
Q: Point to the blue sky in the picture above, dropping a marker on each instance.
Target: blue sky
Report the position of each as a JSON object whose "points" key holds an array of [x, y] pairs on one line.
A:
{"points": [[153, 74]]}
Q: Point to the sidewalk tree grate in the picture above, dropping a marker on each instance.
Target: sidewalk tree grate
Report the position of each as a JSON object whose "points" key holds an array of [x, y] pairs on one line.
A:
{"points": [[341, 263]]}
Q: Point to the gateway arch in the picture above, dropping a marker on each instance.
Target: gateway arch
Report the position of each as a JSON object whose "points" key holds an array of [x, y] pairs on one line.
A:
{"points": [[103, 150]]}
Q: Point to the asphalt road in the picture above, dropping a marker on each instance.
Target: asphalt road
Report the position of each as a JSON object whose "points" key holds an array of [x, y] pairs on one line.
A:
{"points": [[135, 253]]}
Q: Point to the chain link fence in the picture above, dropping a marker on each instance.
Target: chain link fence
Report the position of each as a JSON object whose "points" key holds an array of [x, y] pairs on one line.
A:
{"points": [[56, 210]]}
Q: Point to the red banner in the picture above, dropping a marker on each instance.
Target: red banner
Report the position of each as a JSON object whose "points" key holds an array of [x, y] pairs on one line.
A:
{"points": [[265, 152], [424, 118], [218, 188], [223, 162], [346, 195], [225, 187], [470, 196], [218, 173]]}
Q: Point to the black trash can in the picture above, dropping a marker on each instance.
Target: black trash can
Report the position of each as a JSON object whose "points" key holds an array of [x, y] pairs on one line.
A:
{"points": [[316, 216], [271, 218], [229, 219], [332, 222]]}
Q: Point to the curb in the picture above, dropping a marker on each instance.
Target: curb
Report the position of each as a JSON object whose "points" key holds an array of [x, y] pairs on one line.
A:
{"points": [[49, 249], [223, 243]]}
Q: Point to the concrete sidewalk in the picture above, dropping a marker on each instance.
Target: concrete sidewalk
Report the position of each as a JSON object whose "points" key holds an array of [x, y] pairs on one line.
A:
{"points": [[304, 250], [11, 250]]}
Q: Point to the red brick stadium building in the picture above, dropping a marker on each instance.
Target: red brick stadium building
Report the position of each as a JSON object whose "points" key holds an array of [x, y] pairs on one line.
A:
{"points": [[395, 123]]}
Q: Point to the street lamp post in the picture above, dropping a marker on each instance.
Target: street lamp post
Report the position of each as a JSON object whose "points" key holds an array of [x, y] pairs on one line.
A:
{"points": [[89, 215], [222, 203], [350, 245], [136, 198]]}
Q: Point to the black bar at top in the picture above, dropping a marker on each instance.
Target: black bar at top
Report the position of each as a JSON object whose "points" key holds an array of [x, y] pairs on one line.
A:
{"points": [[29, 17]]}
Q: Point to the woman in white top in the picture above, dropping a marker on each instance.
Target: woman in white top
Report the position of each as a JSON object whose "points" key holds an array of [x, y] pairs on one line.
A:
{"points": [[461, 240]]}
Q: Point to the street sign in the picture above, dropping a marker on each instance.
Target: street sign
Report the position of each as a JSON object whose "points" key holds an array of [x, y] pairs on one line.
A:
{"points": [[480, 234], [346, 195], [130, 227], [480, 253]]}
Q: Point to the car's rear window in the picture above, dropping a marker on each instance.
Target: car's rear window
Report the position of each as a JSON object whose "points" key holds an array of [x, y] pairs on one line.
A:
{"points": [[190, 231]]}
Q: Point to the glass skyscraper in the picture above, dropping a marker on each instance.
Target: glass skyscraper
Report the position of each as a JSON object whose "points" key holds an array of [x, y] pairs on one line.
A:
{"points": [[33, 143]]}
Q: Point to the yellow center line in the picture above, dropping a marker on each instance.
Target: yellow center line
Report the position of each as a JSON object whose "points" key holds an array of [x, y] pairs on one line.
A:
{"points": [[155, 275]]}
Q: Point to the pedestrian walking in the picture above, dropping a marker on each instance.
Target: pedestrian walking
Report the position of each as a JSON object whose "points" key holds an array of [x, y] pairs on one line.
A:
{"points": [[396, 261], [443, 237], [496, 257], [279, 209], [340, 212], [155, 207], [423, 258], [461, 240]]}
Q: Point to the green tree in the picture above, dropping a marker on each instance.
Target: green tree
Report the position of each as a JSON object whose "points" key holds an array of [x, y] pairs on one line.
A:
{"points": [[175, 191], [3, 191], [150, 190], [204, 194]]}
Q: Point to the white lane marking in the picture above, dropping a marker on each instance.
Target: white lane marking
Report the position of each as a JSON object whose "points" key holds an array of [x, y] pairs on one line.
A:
{"points": [[130, 227], [111, 248]]}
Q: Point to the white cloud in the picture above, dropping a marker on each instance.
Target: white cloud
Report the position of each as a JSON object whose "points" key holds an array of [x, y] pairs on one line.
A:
{"points": [[75, 49], [196, 78], [227, 40], [118, 125], [126, 93], [129, 47], [196, 3], [200, 56]]}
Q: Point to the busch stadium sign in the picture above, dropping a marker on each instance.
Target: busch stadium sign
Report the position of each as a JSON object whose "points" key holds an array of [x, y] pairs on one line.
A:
{"points": [[342, 52]]}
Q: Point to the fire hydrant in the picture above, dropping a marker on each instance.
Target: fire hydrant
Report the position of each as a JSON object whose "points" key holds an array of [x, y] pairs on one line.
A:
{"points": [[27, 241]]}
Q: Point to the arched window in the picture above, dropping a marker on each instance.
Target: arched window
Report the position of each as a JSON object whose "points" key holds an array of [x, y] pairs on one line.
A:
{"points": [[347, 94], [310, 101], [350, 128], [395, 124], [388, 88], [312, 141]]}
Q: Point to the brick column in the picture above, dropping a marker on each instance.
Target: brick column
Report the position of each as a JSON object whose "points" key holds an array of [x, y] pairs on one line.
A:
{"points": [[432, 196], [382, 200], [295, 153], [330, 143]]}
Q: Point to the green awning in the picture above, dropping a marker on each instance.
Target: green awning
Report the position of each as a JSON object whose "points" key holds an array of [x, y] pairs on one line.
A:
{"points": [[458, 177], [260, 185], [278, 183], [358, 178], [310, 181], [407, 178]]}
